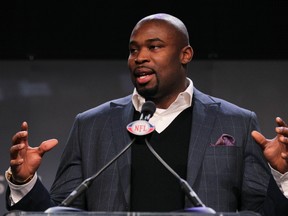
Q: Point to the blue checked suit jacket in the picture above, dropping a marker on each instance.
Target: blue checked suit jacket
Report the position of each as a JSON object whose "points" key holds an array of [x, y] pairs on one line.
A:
{"points": [[227, 178]]}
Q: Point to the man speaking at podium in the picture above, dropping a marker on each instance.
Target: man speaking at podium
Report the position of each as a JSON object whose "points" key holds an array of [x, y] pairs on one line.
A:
{"points": [[213, 144]]}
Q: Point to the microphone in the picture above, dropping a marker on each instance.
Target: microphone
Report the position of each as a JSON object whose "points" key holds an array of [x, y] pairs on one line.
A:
{"points": [[189, 192], [147, 112]]}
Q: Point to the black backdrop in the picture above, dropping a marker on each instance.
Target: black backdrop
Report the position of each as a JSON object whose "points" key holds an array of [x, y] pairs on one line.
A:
{"points": [[226, 29]]}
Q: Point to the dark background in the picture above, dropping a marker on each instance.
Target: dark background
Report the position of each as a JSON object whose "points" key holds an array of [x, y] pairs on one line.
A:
{"points": [[59, 58], [234, 29]]}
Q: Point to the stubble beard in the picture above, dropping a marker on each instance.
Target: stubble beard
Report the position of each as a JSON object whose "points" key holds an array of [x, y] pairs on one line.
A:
{"points": [[148, 93]]}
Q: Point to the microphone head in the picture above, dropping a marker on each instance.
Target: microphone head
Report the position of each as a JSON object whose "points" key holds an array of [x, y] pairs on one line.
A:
{"points": [[148, 108]]}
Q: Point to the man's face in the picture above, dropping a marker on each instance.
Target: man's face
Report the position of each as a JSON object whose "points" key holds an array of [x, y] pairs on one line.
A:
{"points": [[154, 61]]}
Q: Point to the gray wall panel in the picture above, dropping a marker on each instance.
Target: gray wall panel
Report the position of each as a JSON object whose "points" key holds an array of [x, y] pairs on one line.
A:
{"points": [[48, 94]]}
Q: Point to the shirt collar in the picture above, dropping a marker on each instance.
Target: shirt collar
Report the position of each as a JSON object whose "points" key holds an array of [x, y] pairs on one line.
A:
{"points": [[183, 99]]}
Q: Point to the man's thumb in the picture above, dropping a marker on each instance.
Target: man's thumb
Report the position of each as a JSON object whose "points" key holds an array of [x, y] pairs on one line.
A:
{"points": [[47, 145], [259, 138]]}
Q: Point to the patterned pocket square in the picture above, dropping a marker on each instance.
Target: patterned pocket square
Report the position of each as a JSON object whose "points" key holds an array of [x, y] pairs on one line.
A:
{"points": [[225, 140]]}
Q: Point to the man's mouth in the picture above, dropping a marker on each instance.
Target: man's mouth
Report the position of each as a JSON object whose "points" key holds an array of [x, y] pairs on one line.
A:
{"points": [[143, 75], [143, 78]]}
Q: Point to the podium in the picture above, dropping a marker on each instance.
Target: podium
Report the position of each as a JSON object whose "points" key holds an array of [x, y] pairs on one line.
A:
{"points": [[83, 213]]}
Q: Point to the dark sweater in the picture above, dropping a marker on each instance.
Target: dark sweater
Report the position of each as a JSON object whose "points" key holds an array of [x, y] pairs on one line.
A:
{"points": [[153, 187]]}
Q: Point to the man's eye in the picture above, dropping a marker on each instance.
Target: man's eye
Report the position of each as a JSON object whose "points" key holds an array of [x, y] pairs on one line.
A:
{"points": [[154, 47], [132, 50]]}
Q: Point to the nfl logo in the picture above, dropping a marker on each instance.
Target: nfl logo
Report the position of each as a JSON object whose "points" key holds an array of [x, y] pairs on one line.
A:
{"points": [[140, 127]]}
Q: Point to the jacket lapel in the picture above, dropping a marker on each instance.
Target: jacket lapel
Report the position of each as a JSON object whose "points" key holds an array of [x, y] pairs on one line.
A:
{"points": [[205, 111], [121, 116]]}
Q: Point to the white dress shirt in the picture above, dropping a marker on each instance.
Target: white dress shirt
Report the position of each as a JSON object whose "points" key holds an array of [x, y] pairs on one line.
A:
{"points": [[163, 117]]}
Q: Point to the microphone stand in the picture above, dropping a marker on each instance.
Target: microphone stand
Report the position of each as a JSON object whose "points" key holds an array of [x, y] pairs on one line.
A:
{"points": [[64, 206], [189, 192], [147, 111]]}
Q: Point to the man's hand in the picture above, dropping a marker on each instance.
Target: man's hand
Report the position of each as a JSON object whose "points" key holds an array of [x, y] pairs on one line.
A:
{"points": [[275, 150], [25, 160]]}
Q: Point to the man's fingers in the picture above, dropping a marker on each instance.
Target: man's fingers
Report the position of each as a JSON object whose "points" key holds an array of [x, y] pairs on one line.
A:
{"points": [[282, 131], [47, 145], [19, 137], [24, 126], [22, 135], [284, 156], [14, 150], [280, 122], [259, 138], [16, 162]]}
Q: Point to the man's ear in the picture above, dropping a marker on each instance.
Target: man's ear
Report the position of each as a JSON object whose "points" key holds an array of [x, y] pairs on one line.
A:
{"points": [[187, 54]]}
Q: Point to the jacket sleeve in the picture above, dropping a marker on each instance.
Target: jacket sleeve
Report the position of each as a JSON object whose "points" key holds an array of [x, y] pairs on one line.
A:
{"points": [[276, 204], [38, 199]]}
